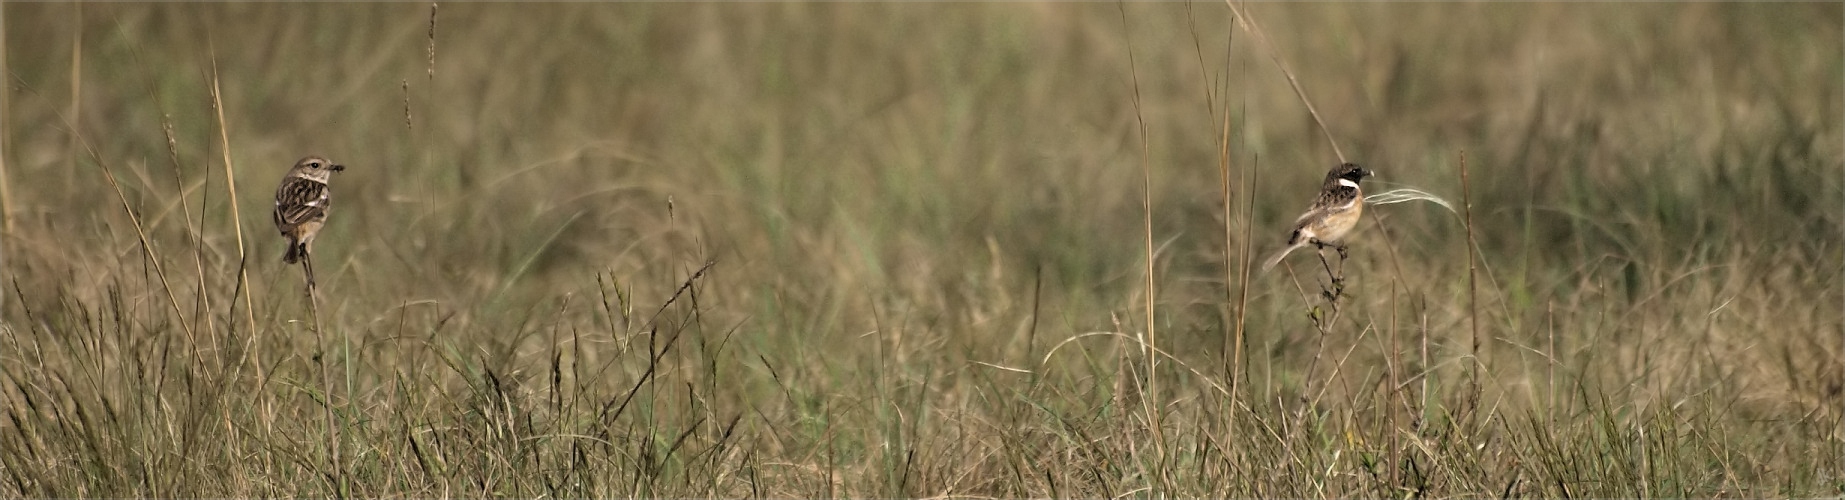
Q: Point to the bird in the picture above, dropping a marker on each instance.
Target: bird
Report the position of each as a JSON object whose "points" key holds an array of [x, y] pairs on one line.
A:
{"points": [[301, 204], [1333, 214]]}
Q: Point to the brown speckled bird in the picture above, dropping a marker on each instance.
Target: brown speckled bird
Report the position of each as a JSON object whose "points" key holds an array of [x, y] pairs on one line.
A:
{"points": [[301, 204], [1334, 213]]}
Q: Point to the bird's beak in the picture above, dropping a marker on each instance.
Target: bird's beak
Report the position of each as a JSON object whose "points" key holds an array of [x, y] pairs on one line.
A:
{"points": [[1370, 173], [337, 168]]}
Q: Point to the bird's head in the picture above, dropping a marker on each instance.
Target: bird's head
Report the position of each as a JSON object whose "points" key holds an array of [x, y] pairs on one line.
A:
{"points": [[315, 167], [1351, 172]]}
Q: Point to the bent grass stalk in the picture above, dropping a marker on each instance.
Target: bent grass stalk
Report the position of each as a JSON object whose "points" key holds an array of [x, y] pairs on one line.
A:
{"points": [[1149, 401], [6, 193], [338, 473], [230, 188], [147, 249]]}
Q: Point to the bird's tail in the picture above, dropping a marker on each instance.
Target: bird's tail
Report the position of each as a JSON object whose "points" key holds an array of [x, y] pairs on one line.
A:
{"points": [[296, 251], [1276, 259]]}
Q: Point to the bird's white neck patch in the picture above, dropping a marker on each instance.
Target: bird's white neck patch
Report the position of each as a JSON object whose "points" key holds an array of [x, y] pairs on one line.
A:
{"points": [[1348, 183]]}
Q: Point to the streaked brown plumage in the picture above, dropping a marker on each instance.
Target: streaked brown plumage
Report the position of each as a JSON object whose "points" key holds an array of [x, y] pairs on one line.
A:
{"points": [[301, 204], [1333, 214]]}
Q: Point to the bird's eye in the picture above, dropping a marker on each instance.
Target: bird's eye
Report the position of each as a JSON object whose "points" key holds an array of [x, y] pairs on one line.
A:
{"points": [[313, 164]]}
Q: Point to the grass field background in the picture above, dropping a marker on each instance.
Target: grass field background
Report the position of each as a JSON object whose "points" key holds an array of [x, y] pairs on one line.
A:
{"points": [[927, 251]]}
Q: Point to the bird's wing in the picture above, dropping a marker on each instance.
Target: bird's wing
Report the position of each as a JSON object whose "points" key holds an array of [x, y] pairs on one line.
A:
{"points": [[300, 200], [1333, 196]]}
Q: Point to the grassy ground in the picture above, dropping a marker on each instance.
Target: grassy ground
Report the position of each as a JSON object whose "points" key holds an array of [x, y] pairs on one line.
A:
{"points": [[928, 251]]}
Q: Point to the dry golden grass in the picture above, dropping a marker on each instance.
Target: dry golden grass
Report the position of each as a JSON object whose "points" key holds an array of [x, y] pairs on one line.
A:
{"points": [[818, 249]]}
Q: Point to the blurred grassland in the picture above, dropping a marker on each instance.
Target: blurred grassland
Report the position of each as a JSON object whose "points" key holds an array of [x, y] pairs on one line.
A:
{"points": [[918, 211]]}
